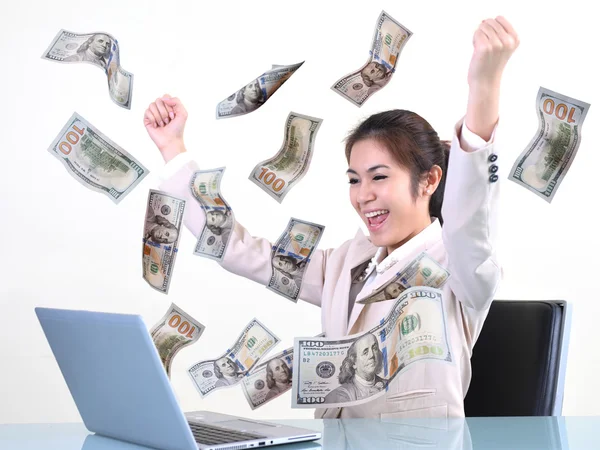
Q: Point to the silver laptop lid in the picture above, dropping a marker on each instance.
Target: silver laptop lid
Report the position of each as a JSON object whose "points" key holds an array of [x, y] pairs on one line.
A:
{"points": [[111, 365]]}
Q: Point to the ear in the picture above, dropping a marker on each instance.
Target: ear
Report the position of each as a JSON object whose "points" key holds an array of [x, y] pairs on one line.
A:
{"points": [[431, 181]]}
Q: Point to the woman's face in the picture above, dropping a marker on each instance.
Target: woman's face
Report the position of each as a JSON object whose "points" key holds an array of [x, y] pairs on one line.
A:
{"points": [[380, 194]]}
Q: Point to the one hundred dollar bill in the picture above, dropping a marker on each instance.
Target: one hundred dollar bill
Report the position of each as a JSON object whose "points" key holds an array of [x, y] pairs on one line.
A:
{"points": [[230, 368], [254, 94], [329, 372], [542, 166], [388, 40], [175, 330], [214, 237], [290, 256], [100, 49], [96, 161], [269, 379], [162, 227], [277, 175], [422, 271]]}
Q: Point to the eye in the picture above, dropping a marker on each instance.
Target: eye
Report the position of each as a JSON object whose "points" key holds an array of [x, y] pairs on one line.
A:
{"points": [[379, 177], [353, 180]]}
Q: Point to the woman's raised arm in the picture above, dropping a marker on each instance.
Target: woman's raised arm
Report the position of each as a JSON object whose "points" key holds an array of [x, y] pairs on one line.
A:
{"points": [[493, 43], [246, 255], [471, 191]]}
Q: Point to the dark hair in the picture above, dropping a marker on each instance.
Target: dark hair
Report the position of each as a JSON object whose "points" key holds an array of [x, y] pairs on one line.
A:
{"points": [[413, 143]]}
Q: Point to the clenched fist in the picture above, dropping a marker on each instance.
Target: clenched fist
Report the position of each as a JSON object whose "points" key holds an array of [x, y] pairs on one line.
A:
{"points": [[493, 44], [165, 121]]}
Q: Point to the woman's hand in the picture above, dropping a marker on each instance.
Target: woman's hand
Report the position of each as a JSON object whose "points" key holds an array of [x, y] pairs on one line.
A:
{"points": [[165, 121], [493, 44]]}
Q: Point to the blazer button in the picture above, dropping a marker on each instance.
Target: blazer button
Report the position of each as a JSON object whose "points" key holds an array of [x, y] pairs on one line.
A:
{"points": [[493, 168], [493, 178], [493, 157]]}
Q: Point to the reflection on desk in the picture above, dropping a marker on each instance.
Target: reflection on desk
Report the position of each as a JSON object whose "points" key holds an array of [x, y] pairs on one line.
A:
{"points": [[396, 434], [95, 442], [360, 434], [350, 434]]}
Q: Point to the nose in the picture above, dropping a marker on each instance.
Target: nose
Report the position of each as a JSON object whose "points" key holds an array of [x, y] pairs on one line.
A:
{"points": [[365, 193]]}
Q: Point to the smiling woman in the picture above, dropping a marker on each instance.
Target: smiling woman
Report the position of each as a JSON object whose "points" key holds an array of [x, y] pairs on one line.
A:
{"points": [[399, 173], [391, 153]]}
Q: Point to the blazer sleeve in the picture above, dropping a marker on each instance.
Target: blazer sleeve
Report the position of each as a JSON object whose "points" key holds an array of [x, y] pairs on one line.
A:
{"points": [[246, 255], [469, 232]]}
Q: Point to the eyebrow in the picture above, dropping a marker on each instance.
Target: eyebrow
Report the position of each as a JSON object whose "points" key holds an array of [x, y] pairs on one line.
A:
{"points": [[370, 169]]}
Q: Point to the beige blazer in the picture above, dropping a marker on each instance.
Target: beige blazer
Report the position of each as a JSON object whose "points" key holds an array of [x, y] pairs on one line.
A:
{"points": [[465, 246]]}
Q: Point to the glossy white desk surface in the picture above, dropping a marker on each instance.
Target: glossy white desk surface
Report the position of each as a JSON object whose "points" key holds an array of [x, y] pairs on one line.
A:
{"points": [[356, 434]]}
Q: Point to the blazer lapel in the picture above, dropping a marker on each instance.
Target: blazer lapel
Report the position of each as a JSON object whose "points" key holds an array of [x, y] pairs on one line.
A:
{"points": [[363, 251], [360, 251], [381, 280], [356, 310], [410, 250]]}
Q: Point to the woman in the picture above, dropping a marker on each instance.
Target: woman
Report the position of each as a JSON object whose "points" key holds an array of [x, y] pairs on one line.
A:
{"points": [[400, 189]]}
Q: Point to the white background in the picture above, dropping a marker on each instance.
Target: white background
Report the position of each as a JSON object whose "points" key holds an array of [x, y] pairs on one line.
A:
{"points": [[68, 247]]}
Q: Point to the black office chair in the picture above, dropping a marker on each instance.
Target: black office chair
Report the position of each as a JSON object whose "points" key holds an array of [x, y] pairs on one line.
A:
{"points": [[519, 360]]}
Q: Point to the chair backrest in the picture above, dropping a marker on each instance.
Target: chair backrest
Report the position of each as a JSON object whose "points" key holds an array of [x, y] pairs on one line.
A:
{"points": [[519, 360]]}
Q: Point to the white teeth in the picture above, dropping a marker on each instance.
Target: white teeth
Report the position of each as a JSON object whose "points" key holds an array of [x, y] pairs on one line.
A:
{"points": [[376, 213]]}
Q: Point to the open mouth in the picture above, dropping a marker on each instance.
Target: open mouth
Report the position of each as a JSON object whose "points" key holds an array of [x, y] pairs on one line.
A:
{"points": [[376, 219]]}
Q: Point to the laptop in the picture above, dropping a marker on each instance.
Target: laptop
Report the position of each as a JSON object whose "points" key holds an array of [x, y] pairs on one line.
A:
{"points": [[122, 391]]}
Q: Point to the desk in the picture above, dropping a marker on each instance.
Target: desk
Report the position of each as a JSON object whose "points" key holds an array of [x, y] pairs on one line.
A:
{"points": [[358, 434]]}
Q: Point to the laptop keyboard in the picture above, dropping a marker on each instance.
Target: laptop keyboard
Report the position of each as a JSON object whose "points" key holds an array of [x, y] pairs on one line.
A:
{"points": [[211, 435]]}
